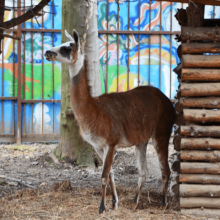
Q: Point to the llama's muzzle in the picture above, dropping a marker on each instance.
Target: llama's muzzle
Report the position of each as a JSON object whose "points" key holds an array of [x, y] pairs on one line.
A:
{"points": [[50, 55]]}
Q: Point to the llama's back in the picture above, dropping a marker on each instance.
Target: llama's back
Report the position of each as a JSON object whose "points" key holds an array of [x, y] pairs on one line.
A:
{"points": [[138, 112]]}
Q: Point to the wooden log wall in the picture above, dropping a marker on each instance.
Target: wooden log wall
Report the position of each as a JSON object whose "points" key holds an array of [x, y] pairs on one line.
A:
{"points": [[197, 130], [198, 136]]}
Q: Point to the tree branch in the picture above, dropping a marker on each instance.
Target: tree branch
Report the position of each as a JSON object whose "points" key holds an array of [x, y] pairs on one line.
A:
{"points": [[26, 16], [10, 36]]}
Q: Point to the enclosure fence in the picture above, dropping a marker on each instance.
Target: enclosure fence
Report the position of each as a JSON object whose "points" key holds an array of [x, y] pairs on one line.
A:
{"points": [[136, 47]]}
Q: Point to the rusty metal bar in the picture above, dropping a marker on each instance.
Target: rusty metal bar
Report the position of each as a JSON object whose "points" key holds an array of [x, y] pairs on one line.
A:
{"points": [[139, 24], [13, 75], [13, 83], [128, 46], [19, 80], [40, 100], [106, 86], [160, 36], [171, 45], [118, 47], [101, 31], [32, 76], [42, 57], [213, 12], [8, 98], [41, 30], [36, 30], [149, 61], [40, 137], [24, 9], [138, 32], [3, 72], [24, 73], [53, 63]]}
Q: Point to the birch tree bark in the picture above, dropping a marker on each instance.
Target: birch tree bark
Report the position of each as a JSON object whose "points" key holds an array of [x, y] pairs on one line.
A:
{"points": [[82, 16]]}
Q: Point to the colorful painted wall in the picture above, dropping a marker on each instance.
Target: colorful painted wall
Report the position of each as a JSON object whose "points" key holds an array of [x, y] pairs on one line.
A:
{"points": [[38, 79]]}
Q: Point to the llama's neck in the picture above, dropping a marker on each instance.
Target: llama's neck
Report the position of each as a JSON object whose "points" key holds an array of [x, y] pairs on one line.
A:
{"points": [[82, 103], [76, 67]]}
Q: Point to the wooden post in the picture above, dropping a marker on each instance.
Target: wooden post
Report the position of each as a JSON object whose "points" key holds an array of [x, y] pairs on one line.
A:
{"points": [[208, 102], [192, 48], [200, 34], [200, 131], [200, 178], [196, 74], [195, 190], [201, 115], [209, 213], [199, 143], [198, 155], [195, 15], [199, 168], [199, 202], [199, 61], [199, 89]]}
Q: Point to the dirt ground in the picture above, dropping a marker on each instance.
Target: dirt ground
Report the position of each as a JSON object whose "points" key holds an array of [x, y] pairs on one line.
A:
{"points": [[33, 186]]}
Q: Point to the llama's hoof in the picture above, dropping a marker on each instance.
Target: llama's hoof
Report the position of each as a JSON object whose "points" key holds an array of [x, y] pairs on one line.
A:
{"points": [[101, 209], [133, 207], [114, 206]]}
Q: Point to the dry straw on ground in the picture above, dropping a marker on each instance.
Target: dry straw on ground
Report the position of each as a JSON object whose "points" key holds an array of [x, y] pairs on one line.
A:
{"points": [[62, 201]]}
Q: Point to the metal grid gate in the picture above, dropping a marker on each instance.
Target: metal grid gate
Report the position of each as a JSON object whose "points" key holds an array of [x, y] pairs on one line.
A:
{"points": [[136, 47], [30, 94]]}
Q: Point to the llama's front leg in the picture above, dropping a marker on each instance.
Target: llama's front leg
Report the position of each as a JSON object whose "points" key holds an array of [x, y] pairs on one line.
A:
{"points": [[142, 168], [114, 192], [107, 160]]}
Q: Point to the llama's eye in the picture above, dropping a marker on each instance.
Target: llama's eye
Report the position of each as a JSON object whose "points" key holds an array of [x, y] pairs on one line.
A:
{"points": [[65, 51]]}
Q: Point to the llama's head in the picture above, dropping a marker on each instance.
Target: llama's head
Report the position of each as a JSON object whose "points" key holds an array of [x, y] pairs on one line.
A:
{"points": [[67, 52]]}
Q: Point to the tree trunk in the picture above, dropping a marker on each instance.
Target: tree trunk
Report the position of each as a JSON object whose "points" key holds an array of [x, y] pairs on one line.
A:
{"points": [[82, 17]]}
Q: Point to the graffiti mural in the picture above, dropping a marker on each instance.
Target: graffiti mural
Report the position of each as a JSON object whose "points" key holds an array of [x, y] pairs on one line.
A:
{"points": [[126, 60], [40, 80], [162, 59]]}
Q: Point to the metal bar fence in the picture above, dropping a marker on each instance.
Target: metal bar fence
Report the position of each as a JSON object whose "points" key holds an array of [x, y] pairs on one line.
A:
{"points": [[133, 33]]}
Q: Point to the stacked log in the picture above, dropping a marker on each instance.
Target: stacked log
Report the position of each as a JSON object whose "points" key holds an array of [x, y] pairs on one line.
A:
{"points": [[198, 135]]}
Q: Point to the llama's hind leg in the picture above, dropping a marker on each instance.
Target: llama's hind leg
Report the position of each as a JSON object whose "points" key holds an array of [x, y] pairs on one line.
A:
{"points": [[161, 146], [140, 151], [114, 192]]}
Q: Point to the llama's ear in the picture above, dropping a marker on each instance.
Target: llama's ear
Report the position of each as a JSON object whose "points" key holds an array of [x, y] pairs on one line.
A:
{"points": [[68, 36], [76, 36]]}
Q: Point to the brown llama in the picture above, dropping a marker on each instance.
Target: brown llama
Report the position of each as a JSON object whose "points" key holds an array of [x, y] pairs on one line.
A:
{"points": [[117, 120]]}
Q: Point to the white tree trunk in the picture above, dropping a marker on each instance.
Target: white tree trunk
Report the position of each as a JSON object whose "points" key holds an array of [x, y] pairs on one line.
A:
{"points": [[92, 49]]}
